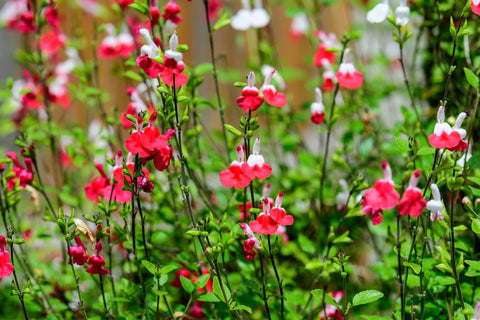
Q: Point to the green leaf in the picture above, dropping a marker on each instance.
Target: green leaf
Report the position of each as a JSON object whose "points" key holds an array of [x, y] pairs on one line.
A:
{"points": [[452, 28], [202, 280], [182, 48], [167, 269], [471, 77], [239, 84], [158, 293], [366, 296], [402, 143], [473, 264], [242, 307], [218, 290], [150, 267], [319, 293], [233, 130], [132, 75], [222, 22], [415, 267], [140, 8], [476, 226], [474, 180], [209, 297], [187, 284], [343, 238], [425, 150]]}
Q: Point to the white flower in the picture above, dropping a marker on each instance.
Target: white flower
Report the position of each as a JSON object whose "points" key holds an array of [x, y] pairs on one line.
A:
{"points": [[435, 206], [246, 17], [267, 70], [300, 24], [379, 13], [402, 13]]}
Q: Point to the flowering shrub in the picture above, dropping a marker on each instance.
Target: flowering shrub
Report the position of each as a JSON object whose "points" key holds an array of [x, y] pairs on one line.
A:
{"points": [[122, 197]]}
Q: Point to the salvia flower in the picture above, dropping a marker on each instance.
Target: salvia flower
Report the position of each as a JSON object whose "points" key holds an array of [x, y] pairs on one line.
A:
{"points": [[96, 189], [317, 109], [173, 63], [299, 26], [462, 144], [113, 46], [475, 6], [264, 224], [6, 267], [270, 93], [96, 262], [347, 75], [250, 100], [435, 205], [234, 176], [328, 76], [412, 202], [23, 176], [256, 167], [17, 15], [379, 13], [443, 135], [323, 55], [251, 243], [381, 197], [171, 16], [79, 253], [278, 213], [402, 13]]}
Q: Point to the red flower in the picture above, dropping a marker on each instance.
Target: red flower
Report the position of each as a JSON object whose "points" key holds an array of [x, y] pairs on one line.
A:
{"points": [[97, 262], [412, 202], [251, 243], [171, 12], [278, 213], [462, 144], [317, 108], [244, 214], [250, 100], [6, 267], [264, 224], [443, 136], [382, 196], [52, 41], [270, 93], [124, 3], [172, 60], [98, 186], [196, 311], [332, 311], [234, 175], [475, 6], [22, 175], [176, 283], [322, 54], [79, 253], [347, 75], [255, 165]]}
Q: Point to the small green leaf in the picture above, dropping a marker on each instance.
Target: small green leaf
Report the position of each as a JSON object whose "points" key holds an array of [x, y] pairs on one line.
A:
{"points": [[402, 143], [132, 75], [217, 289], [167, 269], [233, 130], [366, 296], [415, 267], [242, 307], [187, 284], [476, 226], [202, 280], [182, 48], [209, 297], [471, 78], [319, 293], [150, 267], [473, 264], [158, 293], [452, 29], [222, 22], [239, 84], [425, 150], [203, 68]]}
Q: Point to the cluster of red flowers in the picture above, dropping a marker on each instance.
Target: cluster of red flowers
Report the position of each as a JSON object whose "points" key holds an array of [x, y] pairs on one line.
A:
{"points": [[444, 136], [18, 15], [240, 173], [114, 46], [250, 100], [23, 176], [149, 144], [6, 267], [172, 60], [80, 257], [347, 75], [383, 196]]}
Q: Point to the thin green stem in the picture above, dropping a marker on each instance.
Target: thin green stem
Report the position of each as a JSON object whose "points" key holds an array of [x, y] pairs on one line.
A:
{"points": [[279, 282], [81, 303]]}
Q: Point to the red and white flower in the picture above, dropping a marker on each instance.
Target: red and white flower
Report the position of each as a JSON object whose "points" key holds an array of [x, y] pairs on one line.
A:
{"points": [[435, 205], [317, 109], [270, 93], [347, 75], [234, 176], [412, 202], [256, 167]]}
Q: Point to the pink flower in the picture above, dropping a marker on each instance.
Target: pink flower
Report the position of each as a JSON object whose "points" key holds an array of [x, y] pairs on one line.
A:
{"points": [[475, 6], [17, 14], [171, 15], [79, 253], [347, 75], [443, 136], [317, 109], [256, 165], [270, 93], [172, 60], [250, 100], [462, 144], [52, 41], [382, 196], [323, 55], [412, 202], [278, 213], [264, 224], [97, 262], [330, 310], [6, 267], [234, 175]]}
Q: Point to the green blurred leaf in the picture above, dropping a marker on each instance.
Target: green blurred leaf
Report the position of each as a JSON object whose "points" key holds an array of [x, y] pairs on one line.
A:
{"points": [[367, 296]]}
